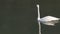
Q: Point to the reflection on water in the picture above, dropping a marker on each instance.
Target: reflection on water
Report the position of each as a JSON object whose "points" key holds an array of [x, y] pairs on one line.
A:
{"points": [[50, 7]]}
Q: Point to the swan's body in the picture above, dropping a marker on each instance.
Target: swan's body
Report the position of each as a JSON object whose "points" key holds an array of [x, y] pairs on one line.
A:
{"points": [[49, 20]]}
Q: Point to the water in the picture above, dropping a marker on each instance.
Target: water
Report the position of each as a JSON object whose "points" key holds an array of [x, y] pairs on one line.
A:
{"points": [[50, 7], [19, 17]]}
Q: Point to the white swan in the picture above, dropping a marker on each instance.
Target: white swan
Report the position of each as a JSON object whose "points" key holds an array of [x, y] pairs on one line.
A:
{"points": [[49, 20]]}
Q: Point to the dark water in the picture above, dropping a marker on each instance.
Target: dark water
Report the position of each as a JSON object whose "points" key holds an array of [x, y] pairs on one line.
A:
{"points": [[50, 7], [19, 16]]}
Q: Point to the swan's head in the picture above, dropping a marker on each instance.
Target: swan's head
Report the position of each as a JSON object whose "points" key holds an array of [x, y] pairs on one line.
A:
{"points": [[49, 20]]}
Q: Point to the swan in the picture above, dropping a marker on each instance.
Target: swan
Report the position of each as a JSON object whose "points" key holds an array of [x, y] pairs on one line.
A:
{"points": [[47, 20]]}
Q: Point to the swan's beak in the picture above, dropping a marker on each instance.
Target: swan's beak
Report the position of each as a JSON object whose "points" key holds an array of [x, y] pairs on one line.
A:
{"points": [[49, 20]]}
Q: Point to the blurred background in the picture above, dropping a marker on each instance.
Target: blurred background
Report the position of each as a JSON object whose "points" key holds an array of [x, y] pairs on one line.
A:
{"points": [[20, 16]]}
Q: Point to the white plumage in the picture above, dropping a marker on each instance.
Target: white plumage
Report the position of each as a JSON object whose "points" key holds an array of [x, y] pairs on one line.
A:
{"points": [[49, 20]]}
